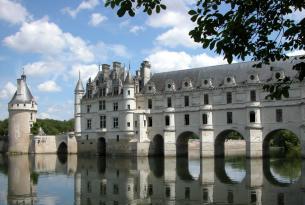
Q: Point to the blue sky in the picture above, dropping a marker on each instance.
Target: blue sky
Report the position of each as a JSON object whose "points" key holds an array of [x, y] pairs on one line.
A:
{"points": [[53, 40]]}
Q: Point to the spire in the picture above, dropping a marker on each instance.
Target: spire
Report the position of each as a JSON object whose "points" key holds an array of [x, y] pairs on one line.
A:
{"points": [[79, 86], [23, 93], [128, 79]]}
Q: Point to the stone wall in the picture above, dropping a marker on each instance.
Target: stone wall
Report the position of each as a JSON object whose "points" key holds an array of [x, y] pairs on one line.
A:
{"points": [[235, 147]]}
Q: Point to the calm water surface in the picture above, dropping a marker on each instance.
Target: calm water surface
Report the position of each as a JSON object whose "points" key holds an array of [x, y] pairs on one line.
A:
{"points": [[49, 180]]}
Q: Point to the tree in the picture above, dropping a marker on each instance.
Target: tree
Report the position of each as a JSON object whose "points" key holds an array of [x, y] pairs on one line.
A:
{"points": [[263, 30]]}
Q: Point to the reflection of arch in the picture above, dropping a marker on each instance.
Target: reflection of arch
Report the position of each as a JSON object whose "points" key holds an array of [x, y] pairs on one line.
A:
{"points": [[220, 169], [220, 141], [272, 179], [156, 165], [156, 147], [101, 165], [271, 135], [182, 143], [101, 146], [183, 169]]}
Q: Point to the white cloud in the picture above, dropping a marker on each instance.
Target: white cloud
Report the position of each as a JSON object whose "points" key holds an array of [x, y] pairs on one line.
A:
{"points": [[136, 29], [86, 71], [178, 22], [44, 115], [176, 37], [49, 86], [47, 38], [43, 68], [8, 91], [165, 60], [96, 19], [296, 53], [13, 12], [84, 5]]}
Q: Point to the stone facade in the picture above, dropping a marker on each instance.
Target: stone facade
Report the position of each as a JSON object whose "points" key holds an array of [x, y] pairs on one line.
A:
{"points": [[147, 114]]}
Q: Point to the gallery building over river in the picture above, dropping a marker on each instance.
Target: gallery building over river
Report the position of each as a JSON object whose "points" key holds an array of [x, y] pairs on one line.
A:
{"points": [[156, 114]]}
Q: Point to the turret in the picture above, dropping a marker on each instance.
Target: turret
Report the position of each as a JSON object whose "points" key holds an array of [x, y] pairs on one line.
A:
{"points": [[129, 101], [22, 114], [79, 93]]}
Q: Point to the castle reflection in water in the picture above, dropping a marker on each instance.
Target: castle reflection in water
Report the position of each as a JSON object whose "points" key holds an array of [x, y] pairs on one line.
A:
{"points": [[153, 181]]}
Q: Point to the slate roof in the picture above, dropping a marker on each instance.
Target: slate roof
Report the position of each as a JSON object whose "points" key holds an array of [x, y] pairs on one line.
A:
{"points": [[240, 71], [26, 97]]}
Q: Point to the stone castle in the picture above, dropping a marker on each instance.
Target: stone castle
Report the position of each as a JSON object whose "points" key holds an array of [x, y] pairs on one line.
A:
{"points": [[142, 115]]}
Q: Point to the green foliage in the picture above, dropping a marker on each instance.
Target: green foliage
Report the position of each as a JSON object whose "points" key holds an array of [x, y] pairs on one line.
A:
{"points": [[34, 177], [53, 127], [234, 136], [263, 30], [3, 129], [288, 168]]}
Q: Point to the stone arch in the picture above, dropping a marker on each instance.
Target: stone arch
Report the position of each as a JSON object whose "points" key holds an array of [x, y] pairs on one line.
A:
{"points": [[62, 148], [182, 144], [220, 139], [101, 146], [156, 146], [272, 134]]}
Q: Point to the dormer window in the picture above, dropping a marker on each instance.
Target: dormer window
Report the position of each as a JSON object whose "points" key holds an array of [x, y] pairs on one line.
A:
{"points": [[169, 86], [252, 77], [186, 84], [149, 88], [277, 75], [228, 80], [205, 82]]}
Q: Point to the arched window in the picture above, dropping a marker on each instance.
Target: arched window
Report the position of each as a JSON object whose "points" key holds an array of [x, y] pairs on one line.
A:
{"points": [[204, 119], [252, 116], [167, 121]]}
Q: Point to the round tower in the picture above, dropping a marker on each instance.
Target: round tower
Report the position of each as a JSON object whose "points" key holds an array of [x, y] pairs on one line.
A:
{"points": [[129, 102], [79, 93], [22, 114], [145, 71]]}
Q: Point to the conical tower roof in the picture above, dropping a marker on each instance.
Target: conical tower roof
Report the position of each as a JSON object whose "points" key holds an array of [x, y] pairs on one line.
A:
{"points": [[23, 93], [79, 86], [128, 79]]}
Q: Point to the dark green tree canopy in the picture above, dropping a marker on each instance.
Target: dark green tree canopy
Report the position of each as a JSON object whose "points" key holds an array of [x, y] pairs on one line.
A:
{"points": [[263, 30]]}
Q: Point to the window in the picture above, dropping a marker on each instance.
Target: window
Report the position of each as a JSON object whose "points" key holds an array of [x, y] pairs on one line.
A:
{"points": [[115, 122], [205, 195], [253, 197], [253, 95], [280, 199], [149, 121], [89, 124], [167, 192], [128, 107], [229, 117], [103, 121], [88, 108], [230, 197], [103, 92], [115, 189], [187, 192], [87, 137], [206, 99], [118, 138], [167, 122], [102, 105], [128, 92], [135, 123], [204, 119], [89, 187], [144, 123], [150, 190], [229, 97], [128, 124], [31, 116], [115, 90], [187, 119], [186, 101], [149, 104], [115, 106], [279, 115], [252, 116], [169, 102]]}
